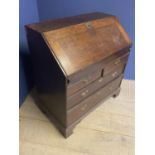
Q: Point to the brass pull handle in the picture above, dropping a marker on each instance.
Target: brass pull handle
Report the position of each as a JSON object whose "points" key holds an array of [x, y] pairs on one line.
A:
{"points": [[117, 61], [86, 81], [88, 25], [114, 74], [100, 80], [84, 107], [85, 93]]}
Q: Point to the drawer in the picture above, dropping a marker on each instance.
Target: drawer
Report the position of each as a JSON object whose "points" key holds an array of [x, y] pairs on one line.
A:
{"points": [[87, 104], [88, 76], [115, 62], [100, 82]]}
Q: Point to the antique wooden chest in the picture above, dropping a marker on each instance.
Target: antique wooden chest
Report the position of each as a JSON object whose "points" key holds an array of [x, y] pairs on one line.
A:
{"points": [[78, 62]]}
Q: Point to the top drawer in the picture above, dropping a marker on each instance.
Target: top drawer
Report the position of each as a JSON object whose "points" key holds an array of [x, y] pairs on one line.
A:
{"points": [[110, 65]]}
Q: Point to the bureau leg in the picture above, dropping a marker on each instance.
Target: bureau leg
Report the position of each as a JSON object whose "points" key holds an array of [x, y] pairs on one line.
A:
{"points": [[67, 132], [116, 93]]}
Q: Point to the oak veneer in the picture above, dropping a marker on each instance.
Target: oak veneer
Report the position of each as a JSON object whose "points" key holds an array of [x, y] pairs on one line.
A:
{"points": [[78, 62]]}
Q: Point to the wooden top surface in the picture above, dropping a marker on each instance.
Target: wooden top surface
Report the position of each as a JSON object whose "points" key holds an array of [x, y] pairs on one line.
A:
{"points": [[53, 24]]}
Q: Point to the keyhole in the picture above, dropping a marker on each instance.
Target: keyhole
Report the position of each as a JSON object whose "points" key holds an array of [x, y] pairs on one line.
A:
{"points": [[102, 72]]}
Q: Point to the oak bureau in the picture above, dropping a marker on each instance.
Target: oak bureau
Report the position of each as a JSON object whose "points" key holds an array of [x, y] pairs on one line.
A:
{"points": [[78, 62]]}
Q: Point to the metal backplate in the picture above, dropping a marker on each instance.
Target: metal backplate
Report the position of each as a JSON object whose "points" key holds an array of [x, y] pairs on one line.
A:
{"points": [[88, 25]]}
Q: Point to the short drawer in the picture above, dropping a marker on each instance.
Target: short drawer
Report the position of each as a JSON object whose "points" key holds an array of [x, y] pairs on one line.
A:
{"points": [[115, 62], [90, 76], [79, 110], [100, 82]]}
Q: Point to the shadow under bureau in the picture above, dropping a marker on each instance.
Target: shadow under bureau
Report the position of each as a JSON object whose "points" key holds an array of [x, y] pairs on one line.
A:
{"points": [[77, 63]]}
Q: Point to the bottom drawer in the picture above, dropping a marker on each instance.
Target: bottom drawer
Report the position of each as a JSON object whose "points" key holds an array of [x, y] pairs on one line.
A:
{"points": [[87, 104]]}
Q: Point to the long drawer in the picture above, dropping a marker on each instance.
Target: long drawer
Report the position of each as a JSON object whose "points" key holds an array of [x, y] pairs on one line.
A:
{"points": [[91, 88], [87, 104]]}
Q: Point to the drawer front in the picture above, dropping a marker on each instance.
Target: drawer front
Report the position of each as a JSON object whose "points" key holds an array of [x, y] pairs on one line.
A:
{"points": [[91, 76], [115, 62], [100, 82], [87, 104]]}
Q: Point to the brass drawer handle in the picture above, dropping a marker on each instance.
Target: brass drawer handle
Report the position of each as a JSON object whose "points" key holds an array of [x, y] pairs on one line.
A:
{"points": [[86, 81], [117, 61], [100, 80], [84, 107], [88, 25], [114, 74], [85, 93]]}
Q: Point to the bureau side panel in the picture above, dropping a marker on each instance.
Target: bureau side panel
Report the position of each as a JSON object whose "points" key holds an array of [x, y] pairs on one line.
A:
{"points": [[49, 78]]}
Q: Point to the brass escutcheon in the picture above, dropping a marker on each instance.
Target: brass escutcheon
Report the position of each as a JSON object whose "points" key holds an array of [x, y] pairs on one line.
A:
{"points": [[88, 25], [114, 74]]}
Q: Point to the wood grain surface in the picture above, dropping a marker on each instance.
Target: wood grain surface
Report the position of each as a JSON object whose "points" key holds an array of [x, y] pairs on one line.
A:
{"points": [[78, 46], [109, 130]]}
